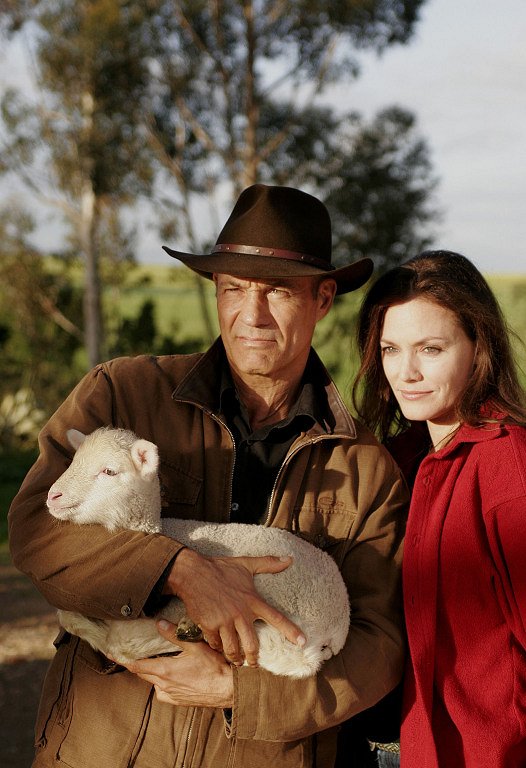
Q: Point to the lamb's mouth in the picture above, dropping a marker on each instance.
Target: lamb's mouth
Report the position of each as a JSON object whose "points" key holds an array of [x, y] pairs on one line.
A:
{"points": [[62, 513]]}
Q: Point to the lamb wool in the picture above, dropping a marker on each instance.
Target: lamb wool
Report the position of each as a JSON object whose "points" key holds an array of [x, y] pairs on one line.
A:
{"points": [[113, 481]]}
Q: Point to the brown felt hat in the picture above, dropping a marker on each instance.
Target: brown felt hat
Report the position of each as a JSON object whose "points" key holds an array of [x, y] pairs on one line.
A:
{"points": [[276, 232]]}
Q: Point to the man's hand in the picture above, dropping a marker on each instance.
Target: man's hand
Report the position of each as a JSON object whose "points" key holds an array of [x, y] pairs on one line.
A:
{"points": [[219, 595], [197, 677]]}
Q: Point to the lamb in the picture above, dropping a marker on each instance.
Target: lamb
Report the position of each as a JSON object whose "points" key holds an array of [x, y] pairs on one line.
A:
{"points": [[113, 481]]}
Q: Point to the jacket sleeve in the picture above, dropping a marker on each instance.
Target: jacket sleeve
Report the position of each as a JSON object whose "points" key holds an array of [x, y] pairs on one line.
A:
{"points": [[370, 665], [79, 567]]}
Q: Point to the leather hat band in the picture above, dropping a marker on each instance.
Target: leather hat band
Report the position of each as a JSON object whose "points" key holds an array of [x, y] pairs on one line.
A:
{"points": [[277, 253]]}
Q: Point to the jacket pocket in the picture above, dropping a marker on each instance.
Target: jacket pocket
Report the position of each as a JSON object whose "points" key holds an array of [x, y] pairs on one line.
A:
{"points": [[100, 713], [54, 695], [180, 490]]}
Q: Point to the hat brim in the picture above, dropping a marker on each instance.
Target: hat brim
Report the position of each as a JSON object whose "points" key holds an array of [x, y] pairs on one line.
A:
{"points": [[347, 278]]}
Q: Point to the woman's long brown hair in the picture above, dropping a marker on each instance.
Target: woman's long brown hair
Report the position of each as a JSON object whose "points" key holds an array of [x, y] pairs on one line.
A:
{"points": [[451, 281]]}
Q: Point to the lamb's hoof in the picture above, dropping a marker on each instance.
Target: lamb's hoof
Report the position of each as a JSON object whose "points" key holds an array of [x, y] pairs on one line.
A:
{"points": [[188, 632]]}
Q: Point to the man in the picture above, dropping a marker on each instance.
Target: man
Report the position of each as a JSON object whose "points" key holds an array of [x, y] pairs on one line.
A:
{"points": [[252, 431]]}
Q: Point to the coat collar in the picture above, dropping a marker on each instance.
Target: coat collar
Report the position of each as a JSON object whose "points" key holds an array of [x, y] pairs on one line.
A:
{"points": [[202, 387]]}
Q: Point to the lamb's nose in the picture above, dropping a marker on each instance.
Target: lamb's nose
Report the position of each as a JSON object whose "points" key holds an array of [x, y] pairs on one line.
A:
{"points": [[53, 495]]}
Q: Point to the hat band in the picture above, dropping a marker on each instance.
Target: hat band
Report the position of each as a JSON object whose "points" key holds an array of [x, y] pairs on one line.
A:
{"points": [[277, 253]]}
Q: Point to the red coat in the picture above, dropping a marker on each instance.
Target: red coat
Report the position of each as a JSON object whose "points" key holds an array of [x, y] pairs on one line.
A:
{"points": [[465, 603]]}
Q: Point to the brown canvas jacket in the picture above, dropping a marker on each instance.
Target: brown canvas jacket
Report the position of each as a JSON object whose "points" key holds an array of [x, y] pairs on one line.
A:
{"points": [[337, 487]]}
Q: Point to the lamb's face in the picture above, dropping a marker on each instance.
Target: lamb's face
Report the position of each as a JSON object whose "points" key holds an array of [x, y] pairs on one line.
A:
{"points": [[86, 489], [101, 481]]}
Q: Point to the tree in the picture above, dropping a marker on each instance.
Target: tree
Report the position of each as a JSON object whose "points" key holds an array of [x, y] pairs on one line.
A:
{"points": [[243, 96], [193, 100], [40, 346], [84, 131]]}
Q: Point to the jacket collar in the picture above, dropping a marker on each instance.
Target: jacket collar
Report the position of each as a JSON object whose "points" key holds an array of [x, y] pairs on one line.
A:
{"points": [[468, 434], [202, 387]]}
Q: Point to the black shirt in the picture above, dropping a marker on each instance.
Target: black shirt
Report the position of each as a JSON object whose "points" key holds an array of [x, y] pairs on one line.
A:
{"points": [[260, 453]]}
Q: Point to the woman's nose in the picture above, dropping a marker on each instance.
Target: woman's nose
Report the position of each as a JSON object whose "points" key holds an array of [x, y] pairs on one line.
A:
{"points": [[409, 370]]}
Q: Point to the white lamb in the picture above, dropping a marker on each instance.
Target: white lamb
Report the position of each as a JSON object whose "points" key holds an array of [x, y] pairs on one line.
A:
{"points": [[113, 481]]}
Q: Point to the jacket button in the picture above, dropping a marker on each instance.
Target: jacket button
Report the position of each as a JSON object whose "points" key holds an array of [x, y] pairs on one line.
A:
{"points": [[126, 610]]}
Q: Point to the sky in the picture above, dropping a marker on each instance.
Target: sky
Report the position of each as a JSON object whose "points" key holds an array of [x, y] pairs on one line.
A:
{"points": [[463, 75]]}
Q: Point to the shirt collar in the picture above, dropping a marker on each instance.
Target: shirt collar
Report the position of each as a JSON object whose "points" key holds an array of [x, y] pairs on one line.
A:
{"points": [[311, 401]]}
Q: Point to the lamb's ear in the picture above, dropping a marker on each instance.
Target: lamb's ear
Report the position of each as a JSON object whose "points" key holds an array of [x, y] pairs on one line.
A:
{"points": [[75, 438], [145, 456]]}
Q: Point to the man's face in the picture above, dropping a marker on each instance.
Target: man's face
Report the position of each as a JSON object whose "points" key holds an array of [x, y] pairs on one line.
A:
{"points": [[267, 326]]}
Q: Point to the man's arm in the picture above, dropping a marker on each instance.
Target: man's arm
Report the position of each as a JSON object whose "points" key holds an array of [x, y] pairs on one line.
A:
{"points": [[81, 568]]}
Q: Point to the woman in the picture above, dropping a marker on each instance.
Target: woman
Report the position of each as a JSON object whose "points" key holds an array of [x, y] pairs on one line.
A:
{"points": [[438, 382]]}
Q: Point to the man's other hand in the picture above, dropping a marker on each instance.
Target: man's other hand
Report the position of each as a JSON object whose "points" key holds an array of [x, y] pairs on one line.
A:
{"points": [[219, 595]]}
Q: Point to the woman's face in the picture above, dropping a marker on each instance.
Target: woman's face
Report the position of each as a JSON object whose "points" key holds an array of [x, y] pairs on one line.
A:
{"points": [[428, 360]]}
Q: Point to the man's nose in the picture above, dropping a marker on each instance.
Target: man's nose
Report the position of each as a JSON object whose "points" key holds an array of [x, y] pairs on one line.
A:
{"points": [[255, 309]]}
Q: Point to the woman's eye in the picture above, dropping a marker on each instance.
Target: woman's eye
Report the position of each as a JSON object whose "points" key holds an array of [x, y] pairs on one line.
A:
{"points": [[387, 350], [432, 350]]}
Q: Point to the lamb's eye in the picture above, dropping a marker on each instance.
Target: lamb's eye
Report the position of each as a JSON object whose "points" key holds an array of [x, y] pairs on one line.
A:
{"points": [[109, 472]]}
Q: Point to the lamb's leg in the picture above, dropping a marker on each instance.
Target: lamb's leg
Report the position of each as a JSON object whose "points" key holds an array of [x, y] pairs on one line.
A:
{"points": [[137, 639], [93, 631], [187, 631], [122, 641]]}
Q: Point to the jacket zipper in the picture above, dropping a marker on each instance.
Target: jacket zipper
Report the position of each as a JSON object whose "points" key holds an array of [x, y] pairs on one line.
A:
{"points": [[287, 459], [234, 452], [187, 739]]}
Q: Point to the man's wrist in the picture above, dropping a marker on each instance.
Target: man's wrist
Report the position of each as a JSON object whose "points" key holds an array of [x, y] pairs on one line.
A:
{"points": [[181, 570]]}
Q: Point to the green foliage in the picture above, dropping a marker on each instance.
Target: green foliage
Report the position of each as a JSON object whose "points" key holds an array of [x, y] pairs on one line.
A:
{"points": [[380, 190], [40, 347], [180, 100], [140, 335], [511, 293], [93, 70], [263, 115], [13, 468]]}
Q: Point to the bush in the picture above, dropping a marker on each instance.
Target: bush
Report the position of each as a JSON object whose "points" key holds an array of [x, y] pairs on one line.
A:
{"points": [[13, 468]]}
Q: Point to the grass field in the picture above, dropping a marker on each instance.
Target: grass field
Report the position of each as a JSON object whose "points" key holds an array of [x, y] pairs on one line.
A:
{"points": [[174, 292]]}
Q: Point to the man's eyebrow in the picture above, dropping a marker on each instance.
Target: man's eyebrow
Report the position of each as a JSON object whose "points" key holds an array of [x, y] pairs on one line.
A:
{"points": [[274, 282]]}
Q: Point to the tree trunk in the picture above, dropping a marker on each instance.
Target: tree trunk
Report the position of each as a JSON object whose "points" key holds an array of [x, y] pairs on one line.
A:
{"points": [[92, 303], [205, 314], [88, 212]]}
